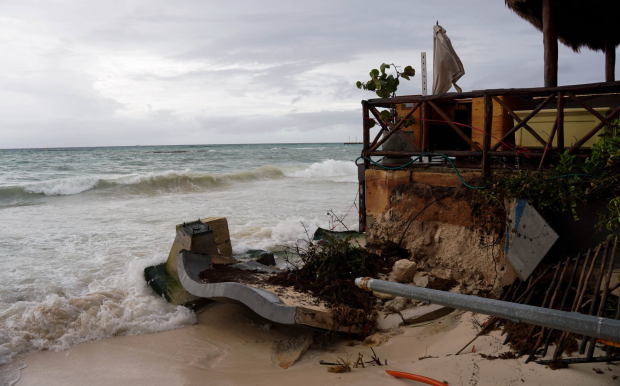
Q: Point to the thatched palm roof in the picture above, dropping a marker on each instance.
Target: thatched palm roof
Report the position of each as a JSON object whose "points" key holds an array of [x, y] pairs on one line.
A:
{"points": [[579, 23]]}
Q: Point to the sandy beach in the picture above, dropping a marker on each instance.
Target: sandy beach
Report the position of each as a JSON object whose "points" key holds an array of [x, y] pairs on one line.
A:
{"points": [[232, 346]]}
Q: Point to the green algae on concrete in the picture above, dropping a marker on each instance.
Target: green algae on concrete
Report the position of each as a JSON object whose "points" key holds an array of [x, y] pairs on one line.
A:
{"points": [[158, 278]]}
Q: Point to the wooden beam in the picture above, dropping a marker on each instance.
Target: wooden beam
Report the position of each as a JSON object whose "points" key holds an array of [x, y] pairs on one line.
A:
{"points": [[453, 153], [486, 140], [560, 123], [590, 109], [588, 88], [362, 184], [593, 131], [550, 42], [453, 126], [549, 144], [516, 118], [523, 122], [395, 129], [366, 133], [424, 126], [610, 61]]}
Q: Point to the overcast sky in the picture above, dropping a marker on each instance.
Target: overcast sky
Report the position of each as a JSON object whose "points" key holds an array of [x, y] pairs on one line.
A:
{"points": [[102, 73]]}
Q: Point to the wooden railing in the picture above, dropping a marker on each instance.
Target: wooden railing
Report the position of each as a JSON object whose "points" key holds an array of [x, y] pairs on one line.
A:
{"points": [[488, 154]]}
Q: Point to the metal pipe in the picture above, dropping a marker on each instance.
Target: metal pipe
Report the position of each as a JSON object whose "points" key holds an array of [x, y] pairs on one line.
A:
{"points": [[603, 328]]}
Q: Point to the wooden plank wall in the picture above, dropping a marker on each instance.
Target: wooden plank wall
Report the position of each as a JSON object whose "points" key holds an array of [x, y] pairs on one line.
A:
{"points": [[501, 122]]}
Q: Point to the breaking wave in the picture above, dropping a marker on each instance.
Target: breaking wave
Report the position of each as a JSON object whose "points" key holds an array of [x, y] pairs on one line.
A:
{"points": [[59, 322], [157, 181], [339, 171], [186, 180]]}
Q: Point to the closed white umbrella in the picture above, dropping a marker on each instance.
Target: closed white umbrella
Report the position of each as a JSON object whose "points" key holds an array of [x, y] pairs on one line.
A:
{"points": [[447, 67]]}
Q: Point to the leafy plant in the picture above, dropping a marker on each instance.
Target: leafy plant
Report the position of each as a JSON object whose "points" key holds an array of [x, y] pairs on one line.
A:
{"points": [[566, 185], [385, 85]]}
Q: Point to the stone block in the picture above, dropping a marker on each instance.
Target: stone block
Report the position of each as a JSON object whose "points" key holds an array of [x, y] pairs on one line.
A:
{"points": [[375, 340], [404, 270], [421, 279], [286, 352], [397, 304]]}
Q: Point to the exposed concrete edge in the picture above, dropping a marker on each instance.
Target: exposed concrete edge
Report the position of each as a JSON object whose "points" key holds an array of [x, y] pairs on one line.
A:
{"points": [[264, 303]]}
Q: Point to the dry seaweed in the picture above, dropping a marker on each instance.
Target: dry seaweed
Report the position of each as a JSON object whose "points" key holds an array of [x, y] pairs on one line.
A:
{"points": [[342, 366], [327, 270]]}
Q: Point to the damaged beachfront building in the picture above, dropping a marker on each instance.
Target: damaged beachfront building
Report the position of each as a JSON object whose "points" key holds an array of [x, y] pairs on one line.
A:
{"points": [[414, 180], [498, 192]]}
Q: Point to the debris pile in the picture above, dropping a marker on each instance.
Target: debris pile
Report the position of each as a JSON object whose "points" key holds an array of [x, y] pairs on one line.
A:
{"points": [[579, 284], [328, 270]]}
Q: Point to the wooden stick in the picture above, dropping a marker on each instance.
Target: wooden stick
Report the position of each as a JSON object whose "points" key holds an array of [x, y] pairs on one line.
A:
{"points": [[509, 323], [611, 289], [544, 304], [489, 323], [584, 340], [601, 306], [559, 348], [549, 144], [563, 303], [610, 349]]}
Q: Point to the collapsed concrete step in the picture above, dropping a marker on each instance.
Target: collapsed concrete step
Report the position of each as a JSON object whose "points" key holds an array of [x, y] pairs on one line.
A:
{"points": [[286, 307], [202, 244], [264, 303]]}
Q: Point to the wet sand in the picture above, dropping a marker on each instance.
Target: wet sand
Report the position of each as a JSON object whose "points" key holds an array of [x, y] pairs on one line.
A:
{"points": [[232, 346]]}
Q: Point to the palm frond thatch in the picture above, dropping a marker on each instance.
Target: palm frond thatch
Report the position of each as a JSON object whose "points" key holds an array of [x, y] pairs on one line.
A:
{"points": [[579, 23]]}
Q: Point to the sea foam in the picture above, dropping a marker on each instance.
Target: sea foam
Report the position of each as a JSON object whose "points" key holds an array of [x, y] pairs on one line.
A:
{"points": [[329, 169]]}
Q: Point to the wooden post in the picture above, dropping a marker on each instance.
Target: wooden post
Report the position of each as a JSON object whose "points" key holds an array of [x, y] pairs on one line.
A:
{"points": [[550, 41], [424, 126], [362, 173], [486, 141], [560, 119], [610, 61]]}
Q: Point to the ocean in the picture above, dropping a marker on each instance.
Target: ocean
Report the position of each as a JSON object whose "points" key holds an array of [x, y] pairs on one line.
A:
{"points": [[79, 225]]}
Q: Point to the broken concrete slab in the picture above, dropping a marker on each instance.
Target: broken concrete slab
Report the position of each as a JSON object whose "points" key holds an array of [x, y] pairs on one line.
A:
{"points": [[287, 307], [286, 352], [264, 303], [219, 225], [192, 236]]}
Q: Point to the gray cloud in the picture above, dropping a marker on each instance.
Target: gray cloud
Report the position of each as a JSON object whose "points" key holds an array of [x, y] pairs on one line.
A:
{"points": [[142, 71]]}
